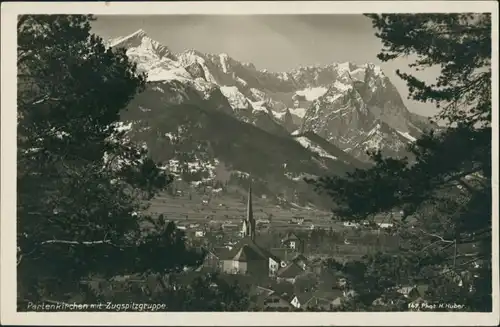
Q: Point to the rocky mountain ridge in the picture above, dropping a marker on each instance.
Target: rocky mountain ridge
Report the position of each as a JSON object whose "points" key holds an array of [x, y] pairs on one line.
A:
{"points": [[310, 121], [345, 103]]}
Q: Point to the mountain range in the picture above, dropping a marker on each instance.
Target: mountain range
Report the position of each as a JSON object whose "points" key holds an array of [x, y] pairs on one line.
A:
{"points": [[214, 120]]}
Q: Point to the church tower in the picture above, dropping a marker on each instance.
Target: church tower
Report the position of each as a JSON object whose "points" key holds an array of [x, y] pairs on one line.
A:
{"points": [[250, 221], [248, 226]]}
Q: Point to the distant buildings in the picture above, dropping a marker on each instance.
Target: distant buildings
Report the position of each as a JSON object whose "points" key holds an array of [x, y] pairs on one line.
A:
{"points": [[298, 220], [249, 258], [292, 241], [199, 233], [385, 225], [275, 268], [351, 224]]}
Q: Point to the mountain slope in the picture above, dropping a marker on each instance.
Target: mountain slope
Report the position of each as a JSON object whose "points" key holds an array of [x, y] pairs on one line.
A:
{"points": [[342, 117], [214, 121], [194, 138], [353, 107], [305, 99]]}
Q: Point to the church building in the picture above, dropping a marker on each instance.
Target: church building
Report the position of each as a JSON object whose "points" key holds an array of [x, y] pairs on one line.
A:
{"points": [[247, 257]]}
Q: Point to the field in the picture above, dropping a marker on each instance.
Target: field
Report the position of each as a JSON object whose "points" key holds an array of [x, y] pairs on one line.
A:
{"points": [[198, 207]]}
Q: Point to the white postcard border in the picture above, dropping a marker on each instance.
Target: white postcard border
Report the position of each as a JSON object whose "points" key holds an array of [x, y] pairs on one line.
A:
{"points": [[8, 314]]}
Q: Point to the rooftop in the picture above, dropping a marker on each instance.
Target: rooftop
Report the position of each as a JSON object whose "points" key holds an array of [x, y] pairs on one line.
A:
{"points": [[290, 271], [247, 249]]}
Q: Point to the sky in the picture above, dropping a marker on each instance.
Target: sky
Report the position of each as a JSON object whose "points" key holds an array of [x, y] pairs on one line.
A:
{"points": [[274, 42]]}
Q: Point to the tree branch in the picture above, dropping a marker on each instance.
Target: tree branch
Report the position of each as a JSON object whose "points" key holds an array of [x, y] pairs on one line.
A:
{"points": [[88, 243], [435, 235]]}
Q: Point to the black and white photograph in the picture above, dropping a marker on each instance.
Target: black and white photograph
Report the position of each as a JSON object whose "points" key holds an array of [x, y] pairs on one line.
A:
{"points": [[265, 162]]}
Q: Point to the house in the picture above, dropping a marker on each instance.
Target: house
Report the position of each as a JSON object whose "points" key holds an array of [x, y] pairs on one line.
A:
{"points": [[284, 254], [299, 300], [318, 304], [214, 257], [270, 298], [274, 302], [300, 260], [292, 241], [199, 233], [289, 273], [318, 300]]}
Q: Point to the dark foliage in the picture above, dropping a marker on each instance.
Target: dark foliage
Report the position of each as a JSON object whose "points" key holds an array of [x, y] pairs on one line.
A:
{"points": [[445, 192], [82, 185]]}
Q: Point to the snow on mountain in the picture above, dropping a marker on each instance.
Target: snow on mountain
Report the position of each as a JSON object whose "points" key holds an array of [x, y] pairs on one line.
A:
{"points": [[312, 93], [235, 98], [160, 74], [151, 57], [136, 36], [190, 57], [408, 136], [342, 117], [259, 106], [299, 112], [341, 102], [241, 81], [258, 95], [306, 143], [342, 87], [223, 59], [358, 74], [382, 137]]}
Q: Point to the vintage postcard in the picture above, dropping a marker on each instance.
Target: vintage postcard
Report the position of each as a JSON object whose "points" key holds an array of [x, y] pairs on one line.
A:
{"points": [[250, 163]]}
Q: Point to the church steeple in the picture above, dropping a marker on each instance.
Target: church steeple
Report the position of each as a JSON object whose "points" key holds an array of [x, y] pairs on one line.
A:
{"points": [[250, 219]]}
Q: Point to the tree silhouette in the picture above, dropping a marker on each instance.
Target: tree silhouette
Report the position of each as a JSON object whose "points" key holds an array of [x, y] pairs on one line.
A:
{"points": [[446, 189], [82, 184]]}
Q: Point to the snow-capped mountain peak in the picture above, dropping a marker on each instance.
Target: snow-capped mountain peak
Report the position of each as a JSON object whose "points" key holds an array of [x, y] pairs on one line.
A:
{"points": [[142, 45], [337, 101], [136, 36]]}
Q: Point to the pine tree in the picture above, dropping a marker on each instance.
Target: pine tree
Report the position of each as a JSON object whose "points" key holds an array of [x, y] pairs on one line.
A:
{"points": [[447, 188], [82, 185]]}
